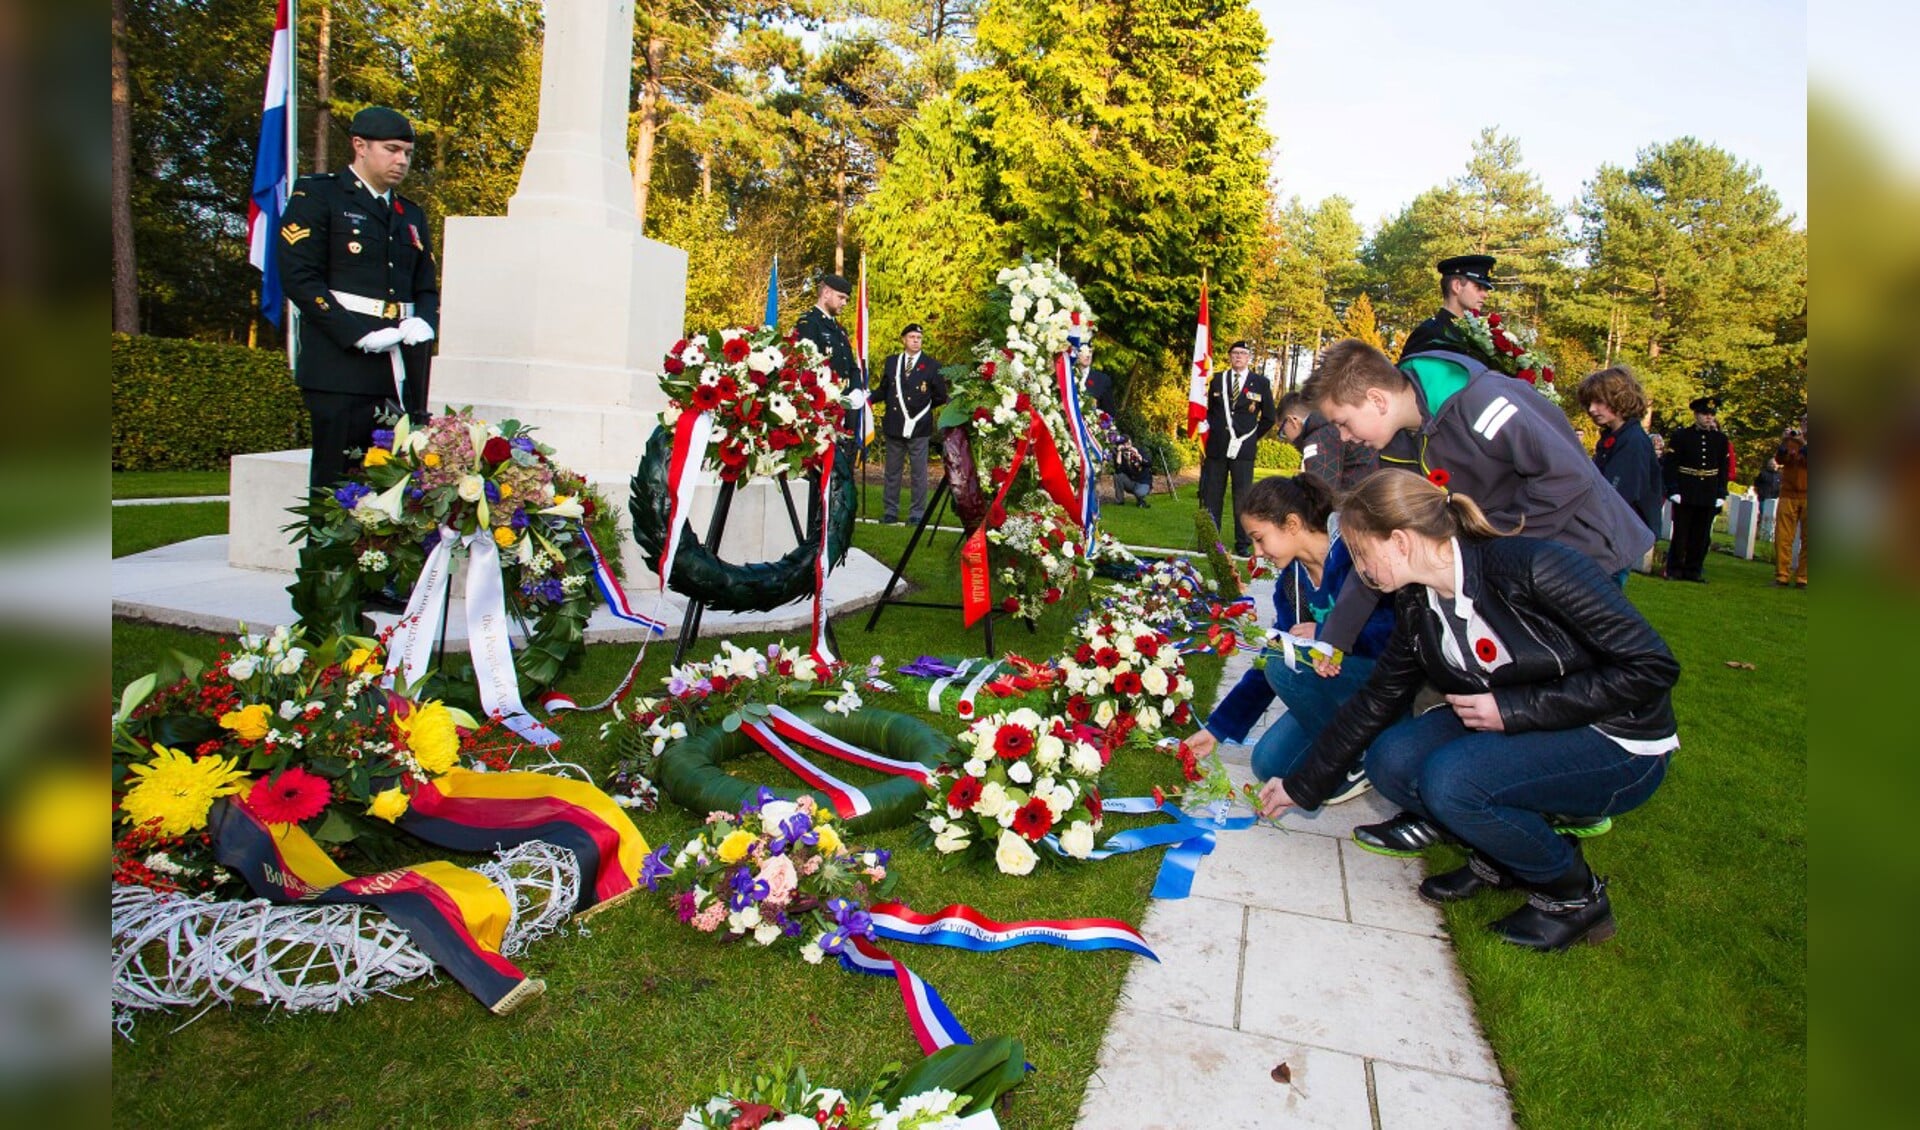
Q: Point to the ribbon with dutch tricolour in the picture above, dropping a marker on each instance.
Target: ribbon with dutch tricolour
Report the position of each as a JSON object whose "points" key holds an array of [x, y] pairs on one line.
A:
{"points": [[691, 434], [822, 651], [1089, 509], [792, 727], [610, 589], [417, 635], [934, 1025], [963, 927], [847, 800], [1188, 839]]}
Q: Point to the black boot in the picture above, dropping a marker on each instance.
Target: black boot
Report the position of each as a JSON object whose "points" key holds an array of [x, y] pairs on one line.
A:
{"points": [[1567, 909], [1479, 874]]}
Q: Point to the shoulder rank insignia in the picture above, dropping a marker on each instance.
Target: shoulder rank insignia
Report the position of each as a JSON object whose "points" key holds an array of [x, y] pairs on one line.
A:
{"points": [[294, 233]]}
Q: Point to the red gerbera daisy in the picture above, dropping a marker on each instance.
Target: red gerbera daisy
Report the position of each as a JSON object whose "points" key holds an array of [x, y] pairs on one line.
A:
{"points": [[1083, 653], [736, 351], [1013, 742], [1078, 708], [1107, 657], [964, 793], [1127, 682], [1439, 477], [1147, 646], [1033, 819], [289, 797], [705, 398]]}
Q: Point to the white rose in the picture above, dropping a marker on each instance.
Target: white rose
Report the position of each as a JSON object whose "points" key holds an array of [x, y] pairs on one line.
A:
{"points": [[1059, 799], [937, 824], [775, 813], [1048, 751], [993, 800], [1014, 855], [1103, 714], [1155, 680], [1077, 840], [768, 360], [977, 767], [290, 662], [1020, 773], [766, 934], [1149, 719], [1124, 645], [812, 953], [1084, 760], [954, 839], [243, 668]]}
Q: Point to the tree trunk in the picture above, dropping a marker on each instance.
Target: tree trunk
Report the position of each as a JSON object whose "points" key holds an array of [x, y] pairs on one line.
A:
{"points": [[126, 286], [323, 87], [706, 176], [650, 110]]}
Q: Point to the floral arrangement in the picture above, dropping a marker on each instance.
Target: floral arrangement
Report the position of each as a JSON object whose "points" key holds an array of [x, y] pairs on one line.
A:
{"points": [[737, 684], [1025, 776], [1124, 667], [375, 531], [1510, 352], [775, 870], [1042, 561], [298, 733], [777, 408], [952, 1089]]}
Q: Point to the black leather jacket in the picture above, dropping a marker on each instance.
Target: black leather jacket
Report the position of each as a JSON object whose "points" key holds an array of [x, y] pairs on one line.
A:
{"points": [[1550, 635]]}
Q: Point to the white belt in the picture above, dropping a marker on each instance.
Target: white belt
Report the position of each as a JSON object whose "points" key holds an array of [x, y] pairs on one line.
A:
{"points": [[374, 307]]}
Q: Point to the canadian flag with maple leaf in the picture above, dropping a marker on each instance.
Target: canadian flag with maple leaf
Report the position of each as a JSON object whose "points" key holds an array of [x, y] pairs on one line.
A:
{"points": [[1200, 371]]}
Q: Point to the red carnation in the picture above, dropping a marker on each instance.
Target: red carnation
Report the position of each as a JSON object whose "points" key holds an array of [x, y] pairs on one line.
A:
{"points": [[1013, 742], [1033, 819], [1127, 682], [1148, 646], [1078, 708], [733, 455], [675, 366], [1159, 796], [679, 347], [964, 793], [1053, 596], [982, 414], [1527, 375], [1023, 403], [705, 398], [1011, 604], [289, 797], [1493, 319], [1546, 374], [1486, 649], [1007, 353], [497, 450], [987, 370], [1107, 657], [1182, 714], [1083, 653], [1189, 765], [1439, 477], [736, 351]]}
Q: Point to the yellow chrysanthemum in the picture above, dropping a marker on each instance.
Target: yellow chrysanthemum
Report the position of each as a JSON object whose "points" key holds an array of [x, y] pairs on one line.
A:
{"points": [[504, 537], [430, 736], [177, 790], [431, 459], [390, 805], [249, 722], [376, 457], [733, 849], [829, 839], [361, 661]]}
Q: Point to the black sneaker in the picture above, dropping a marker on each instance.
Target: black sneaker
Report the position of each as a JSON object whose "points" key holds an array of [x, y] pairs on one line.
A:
{"points": [[1355, 785], [1406, 835]]}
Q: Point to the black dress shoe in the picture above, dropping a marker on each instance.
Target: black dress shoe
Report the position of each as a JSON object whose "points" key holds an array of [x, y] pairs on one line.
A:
{"points": [[1405, 835], [1462, 883]]}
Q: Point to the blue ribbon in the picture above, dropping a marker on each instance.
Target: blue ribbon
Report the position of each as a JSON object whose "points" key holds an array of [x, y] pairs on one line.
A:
{"points": [[1187, 840]]}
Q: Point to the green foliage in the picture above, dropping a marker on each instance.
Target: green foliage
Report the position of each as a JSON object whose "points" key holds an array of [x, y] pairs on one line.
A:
{"points": [[187, 406], [1358, 322], [1206, 539]]}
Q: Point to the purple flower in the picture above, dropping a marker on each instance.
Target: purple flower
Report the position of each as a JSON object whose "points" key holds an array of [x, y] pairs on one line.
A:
{"points": [[686, 905], [350, 495], [383, 437], [519, 519], [795, 829], [522, 442], [883, 856], [493, 491], [415, 494], [852, 922], [788, 927], [676, 686], [747, 890], [655, 867]]}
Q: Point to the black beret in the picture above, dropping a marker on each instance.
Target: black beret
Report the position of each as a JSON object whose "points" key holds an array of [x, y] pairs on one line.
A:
{"points": [[1705, 405], [837, 282], [1239, 345], [912, 328], [1479, 268], [377, 123]]}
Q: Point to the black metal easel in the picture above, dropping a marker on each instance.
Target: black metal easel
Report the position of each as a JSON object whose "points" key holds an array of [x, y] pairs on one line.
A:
{"points": [[936, 505], [690, 624]]}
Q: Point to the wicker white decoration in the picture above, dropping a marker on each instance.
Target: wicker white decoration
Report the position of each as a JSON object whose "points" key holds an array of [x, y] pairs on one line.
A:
{"points": [[172, 950]]}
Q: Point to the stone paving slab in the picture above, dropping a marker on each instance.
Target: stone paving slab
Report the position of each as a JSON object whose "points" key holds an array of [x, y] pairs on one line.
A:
{"points": [[1198, 976], [1409, 1097], [1158, 1073], [1376, 993], [1384, 891], [1275, 870]]}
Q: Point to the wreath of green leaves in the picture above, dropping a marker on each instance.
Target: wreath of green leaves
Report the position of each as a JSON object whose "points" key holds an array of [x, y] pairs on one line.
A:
{"points": [[691, 772], [699, 573]]}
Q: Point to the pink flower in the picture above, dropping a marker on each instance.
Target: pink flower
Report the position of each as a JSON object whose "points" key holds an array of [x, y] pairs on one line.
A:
{"points": [[708, 920], [781, 879]]}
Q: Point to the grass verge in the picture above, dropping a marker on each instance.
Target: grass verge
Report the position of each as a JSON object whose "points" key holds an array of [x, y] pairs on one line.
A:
{"points": [[137, 529], [168, 484]]}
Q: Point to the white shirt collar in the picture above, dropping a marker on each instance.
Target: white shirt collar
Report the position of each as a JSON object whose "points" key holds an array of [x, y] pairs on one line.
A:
{"points": [[1462, 604], [380, 196]]}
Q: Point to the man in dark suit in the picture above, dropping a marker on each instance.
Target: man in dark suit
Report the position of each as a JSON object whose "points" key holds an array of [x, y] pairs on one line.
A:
{"points": [[356, 260], [1697, 467], [820, 325], [1239, 412], [1465, 282], [911, 393]]}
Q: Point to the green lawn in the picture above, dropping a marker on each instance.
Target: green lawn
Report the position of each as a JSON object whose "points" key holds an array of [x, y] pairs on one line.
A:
{"points": [[137, 529], [168, 484], [1695, 1013]]}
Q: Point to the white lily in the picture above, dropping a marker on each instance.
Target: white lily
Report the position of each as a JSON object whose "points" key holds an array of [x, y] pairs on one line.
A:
{"points": [[392, 501], [565, 507]]}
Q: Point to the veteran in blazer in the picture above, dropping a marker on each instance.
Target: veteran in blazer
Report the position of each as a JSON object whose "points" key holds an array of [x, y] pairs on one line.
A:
{"points": [[910, 393], [1239, 411]]}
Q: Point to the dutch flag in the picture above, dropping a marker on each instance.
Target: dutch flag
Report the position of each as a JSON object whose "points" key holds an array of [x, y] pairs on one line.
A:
{"points": [[272, 168]]}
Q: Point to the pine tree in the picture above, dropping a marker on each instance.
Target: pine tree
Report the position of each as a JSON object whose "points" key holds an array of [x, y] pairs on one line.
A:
{"points": [[1358, 322]]}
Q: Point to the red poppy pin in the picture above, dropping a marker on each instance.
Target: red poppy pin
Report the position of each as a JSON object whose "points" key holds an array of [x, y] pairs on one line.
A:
{"points": [[1439, 477], [1486, 649]]}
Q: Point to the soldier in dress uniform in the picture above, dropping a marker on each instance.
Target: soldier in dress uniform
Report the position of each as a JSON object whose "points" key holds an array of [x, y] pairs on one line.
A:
{"points": [[1697, 467], [821, 326], [1465, 281], [356, 260], [1239, 412], [911, 393]]}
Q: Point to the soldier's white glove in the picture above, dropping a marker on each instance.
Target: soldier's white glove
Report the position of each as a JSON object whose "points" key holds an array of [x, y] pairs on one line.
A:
{"points": [[1674, 498], [1718, 503], [413, 331], [380, 340]]}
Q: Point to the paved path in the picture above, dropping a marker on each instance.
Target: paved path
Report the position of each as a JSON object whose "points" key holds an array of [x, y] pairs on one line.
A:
{"points": [[1296, 947], [169, 501]]}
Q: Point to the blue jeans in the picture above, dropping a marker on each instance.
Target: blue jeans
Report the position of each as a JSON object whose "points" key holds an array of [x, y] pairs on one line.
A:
{"points": [[1493, 789], [1311, 703]]}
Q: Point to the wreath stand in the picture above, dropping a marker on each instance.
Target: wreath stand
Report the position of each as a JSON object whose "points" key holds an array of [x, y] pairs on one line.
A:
{"points": [[717, 528], [936, 506]]}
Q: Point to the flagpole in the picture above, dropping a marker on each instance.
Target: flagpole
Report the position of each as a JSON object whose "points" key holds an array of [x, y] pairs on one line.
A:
{"points": [[291, 318]]}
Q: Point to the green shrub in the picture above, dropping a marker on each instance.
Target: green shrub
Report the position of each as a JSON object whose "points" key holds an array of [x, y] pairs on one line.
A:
{"points": [[182, 405]]}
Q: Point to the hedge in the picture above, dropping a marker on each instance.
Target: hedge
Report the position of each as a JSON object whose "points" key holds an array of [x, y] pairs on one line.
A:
{"points": [[183, 405]]}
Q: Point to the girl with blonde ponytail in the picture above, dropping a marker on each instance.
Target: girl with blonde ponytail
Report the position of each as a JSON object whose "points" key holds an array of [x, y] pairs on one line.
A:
{"points": [[1558, 707]]}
